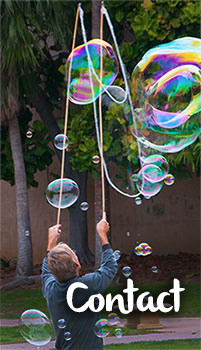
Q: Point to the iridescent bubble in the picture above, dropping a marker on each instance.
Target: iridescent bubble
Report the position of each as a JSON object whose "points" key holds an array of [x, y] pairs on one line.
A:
{"points": [[27, 233], [134, 177], [29, 134], [80, 87], [101, 328], [84, 206], [113, 319], [70, 193], [118, 333], [96, 159], [67, 336], [61, 141], [138, 200], [154, 269], [169, 180], [126, 271], [35, 327], [61, 323], [115, 93], [167, 84], [143, 249], [155, 168], [117, 254], [145, 187]]}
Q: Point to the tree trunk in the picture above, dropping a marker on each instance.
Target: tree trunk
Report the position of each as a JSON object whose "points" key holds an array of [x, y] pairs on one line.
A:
{"points": [[24, 261], [78, 218]]}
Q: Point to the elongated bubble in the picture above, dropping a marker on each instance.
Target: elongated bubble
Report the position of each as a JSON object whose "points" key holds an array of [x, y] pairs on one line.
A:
{"points": [[80, 87], [35, 327]]}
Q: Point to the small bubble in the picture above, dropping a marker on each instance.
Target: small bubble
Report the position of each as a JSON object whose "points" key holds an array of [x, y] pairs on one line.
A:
{"points": [[61, 323], [169, 180], [96, 159], [84, 206], [29, 134], [138, 201], [27, 233], [154, 269], [67, 336], [128, 234], [118, 333], [61, 141], [126, 271], [113, 319], [134, 177]]}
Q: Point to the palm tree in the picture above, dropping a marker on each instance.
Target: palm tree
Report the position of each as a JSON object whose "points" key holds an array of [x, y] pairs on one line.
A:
{"points": [[23, 24]]}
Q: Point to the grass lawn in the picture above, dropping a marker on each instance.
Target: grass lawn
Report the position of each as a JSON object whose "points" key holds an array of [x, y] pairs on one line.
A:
{"points": [[186, 344], [14, 303]]}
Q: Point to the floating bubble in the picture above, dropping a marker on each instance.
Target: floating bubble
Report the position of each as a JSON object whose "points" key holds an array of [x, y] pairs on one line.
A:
{"points": [[27, 233], [84, 206], [61, 141], [117, 254], [154, 269], [145, 187], [29, 134], [167, 84], [101, 328], [115, 94], [35, 327], [126, 271], [134, 177], [96, 159], [169, 180], [80, 87], [143, 249], [128, 234], [138, 200], [118, 333], [113, 319], [67, 336], [155, 168], [70, 193], [61, 323]]}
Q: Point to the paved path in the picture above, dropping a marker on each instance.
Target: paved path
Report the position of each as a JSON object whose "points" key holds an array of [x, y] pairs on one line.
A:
{"points": [[174, 328]]}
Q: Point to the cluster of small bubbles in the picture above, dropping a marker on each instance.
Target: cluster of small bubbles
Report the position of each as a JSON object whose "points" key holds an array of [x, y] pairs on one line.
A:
{"points": [[80, 91], [101, 328], [126, 271], [117, 254], [35, 327], [134, 177], [27, 233], [169, 180], [84, 206], [69, 195], [113, 319], [29, 134], [138, 201], [67, 336], [128, 234], [118, 333], [61, 141], [154, 269], [143, 249], [61, 323]]}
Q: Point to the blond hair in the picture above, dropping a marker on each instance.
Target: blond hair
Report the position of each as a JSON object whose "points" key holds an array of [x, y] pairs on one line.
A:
{"points": [[62, 262]]}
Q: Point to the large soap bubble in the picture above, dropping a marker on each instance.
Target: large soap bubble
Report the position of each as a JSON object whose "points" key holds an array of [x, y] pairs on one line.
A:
{"points": [[155, 168], [145, 187], [166, 87], [70, 193], [35, 327], [80, 87]]}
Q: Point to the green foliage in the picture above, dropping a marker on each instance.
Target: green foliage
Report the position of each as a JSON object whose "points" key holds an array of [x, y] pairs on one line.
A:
{"points": [[5, 263], [36, 152]]}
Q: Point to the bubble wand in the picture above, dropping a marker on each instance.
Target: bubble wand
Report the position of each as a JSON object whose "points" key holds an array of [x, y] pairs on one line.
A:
{"points": [[66, 113]]}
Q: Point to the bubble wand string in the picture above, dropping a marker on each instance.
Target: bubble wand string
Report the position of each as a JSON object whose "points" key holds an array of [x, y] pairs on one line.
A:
{"points": [[66, 113], [90, 65]]}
